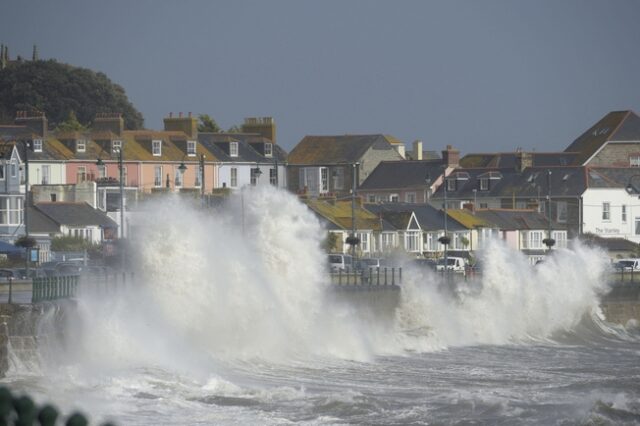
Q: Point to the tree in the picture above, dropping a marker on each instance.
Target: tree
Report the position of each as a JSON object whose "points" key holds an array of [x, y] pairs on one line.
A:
{"points": [[70, 243], [71, 124], [207, 124], [58, 89], [235, 129]]}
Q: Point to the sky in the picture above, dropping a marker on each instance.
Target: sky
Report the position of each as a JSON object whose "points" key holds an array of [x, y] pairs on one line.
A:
{"points": [[483, 76]]}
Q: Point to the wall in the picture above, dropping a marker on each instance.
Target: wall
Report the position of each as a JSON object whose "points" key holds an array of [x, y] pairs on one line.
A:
{"points": [[615, 227], [615, 155]]}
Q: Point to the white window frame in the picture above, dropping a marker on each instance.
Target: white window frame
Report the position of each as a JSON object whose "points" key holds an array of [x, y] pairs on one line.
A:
{"points": [[273, 176], [46, 174], [37, 145], [562, 211], [560, 237], [178, 180], [606, 211], [451, 185], [102, 171], [234, 177], [324, 180], [233, 149], [268, 150], [14, 168], [623, 214], [412, 241], [364, 241], [637, 226], [337, 175], [371, 198], [410, 197], [81, 145], [157, 176], [484, 184], [116, 145], [191, 148], [634, 161], [394, 198], [156, 147]]}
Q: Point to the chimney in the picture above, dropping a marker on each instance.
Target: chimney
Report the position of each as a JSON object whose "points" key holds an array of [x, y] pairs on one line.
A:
{"points": [[109, 122], [451, 157], [523, 160], [188, 125], [264, 126], [35, 121], [469, 206], [417, 150]]}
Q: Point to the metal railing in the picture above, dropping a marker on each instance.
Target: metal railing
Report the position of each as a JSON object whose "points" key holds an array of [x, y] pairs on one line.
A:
{"points": [[54, 288], [371, 277]]}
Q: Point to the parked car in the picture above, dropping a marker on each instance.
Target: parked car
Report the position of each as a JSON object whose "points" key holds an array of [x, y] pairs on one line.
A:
{"points": [[6, 274], [624, 265], [455, 264], [365, 263], [340, 262]]}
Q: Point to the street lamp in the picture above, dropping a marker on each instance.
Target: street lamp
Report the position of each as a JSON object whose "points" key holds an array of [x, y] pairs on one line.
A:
{"points": [[633, 188], [100, 163], [352, 239], [445, 240], [549, 242], [255, 175]]}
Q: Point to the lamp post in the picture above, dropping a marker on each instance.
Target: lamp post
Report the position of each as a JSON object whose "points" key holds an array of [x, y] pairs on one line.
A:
{"points": [[352, 239], [549, 242], [26, 205], [202, 157], [100, 163], [445, 240]]}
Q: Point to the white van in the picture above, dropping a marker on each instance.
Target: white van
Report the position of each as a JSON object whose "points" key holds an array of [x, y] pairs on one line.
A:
{"points": [[627, 265], [340, 262], [455, 264]]}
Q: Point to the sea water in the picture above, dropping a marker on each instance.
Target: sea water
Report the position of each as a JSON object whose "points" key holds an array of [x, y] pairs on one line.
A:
{"points": [[232, 320]]}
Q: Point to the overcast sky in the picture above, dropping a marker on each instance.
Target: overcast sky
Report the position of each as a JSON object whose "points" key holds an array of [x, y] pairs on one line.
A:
{"points": [[479, 75]]}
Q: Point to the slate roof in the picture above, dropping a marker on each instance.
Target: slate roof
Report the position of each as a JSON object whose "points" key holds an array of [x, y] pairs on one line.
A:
{"points": [[323, 150], [75, 214], [428, 217], [611, 244], [248, 147], [617, 126], [531, 183], [613, 177], [40, 223], [507, 219], [403, 174], [508, 159]]}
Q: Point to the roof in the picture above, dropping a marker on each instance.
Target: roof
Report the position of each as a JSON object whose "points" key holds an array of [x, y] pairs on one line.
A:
{"points": [[613, 177], [403, 174], [75, 214], [616, 126], [509, 159], [250, 148], [469, 220], [429, 218], [611, 244], [339, 213], [321, 150], [40, 223], [513, 219]]}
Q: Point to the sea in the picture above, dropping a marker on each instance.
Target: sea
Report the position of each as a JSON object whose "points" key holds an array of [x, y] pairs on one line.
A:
{"points": [[232, 320]]}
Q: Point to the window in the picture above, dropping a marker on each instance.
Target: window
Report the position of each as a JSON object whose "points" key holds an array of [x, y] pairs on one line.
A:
{"points": [[14, 168], [198, 181], [624, 214], [561, 211], [116, 145], [484, 184], [338, 178], [324, 180], [81, 145], [46, 172], [53, 197], [81, 174], [179, 176], [451, 185], [484, 205], [364, 241], [191, 148], [102, 171], [634, 161], [268, 150], [156, 148], [254, 175], [233, 149], [371, 198], [388, 241], [37, 145], [11, 210], [606, 211], [157, 176], [411, 241], [532, 239], [394, 198], [561, 238], [637, 227], [234, 177], [1, 171], [410, 197], [273, 176]]}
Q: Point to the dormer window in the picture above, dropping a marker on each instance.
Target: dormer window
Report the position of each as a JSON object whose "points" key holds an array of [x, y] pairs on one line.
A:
{"points": [[37, 145], [156, 148], [191, 148], [81, 145], [451, 185], [233, 149], [116, 146], [484, 184], [268, 150]]}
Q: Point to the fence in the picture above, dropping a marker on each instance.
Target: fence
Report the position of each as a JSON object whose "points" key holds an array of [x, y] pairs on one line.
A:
{"points": [[53, 288], [372, 277]]}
